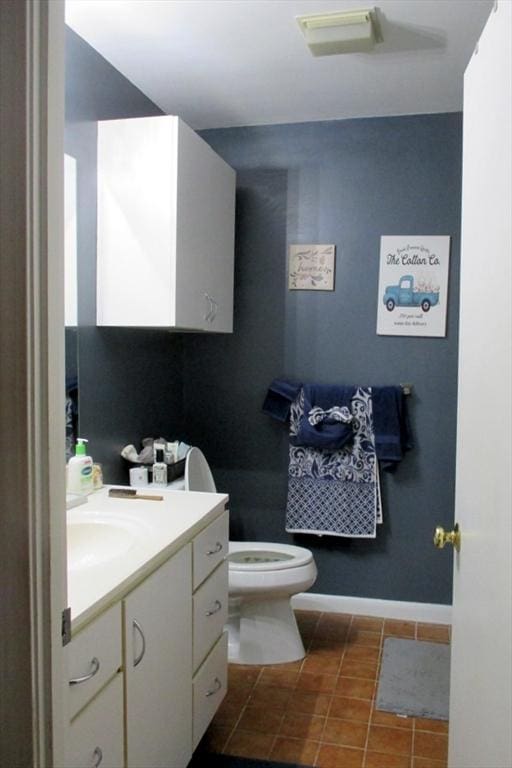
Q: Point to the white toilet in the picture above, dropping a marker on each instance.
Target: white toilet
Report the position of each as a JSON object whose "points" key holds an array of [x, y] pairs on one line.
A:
{"points": [[262, 579]]}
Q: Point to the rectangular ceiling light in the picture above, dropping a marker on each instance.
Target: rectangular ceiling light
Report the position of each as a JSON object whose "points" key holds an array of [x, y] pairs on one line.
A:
{"points": [[343, 32]]}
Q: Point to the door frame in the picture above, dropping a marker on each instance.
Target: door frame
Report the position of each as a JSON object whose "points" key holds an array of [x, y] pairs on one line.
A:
{"points": [[32, 429]]}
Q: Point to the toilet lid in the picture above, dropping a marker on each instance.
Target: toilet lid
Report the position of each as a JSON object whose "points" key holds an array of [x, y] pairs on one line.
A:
{"points": [[198, 476], [266, 556]]}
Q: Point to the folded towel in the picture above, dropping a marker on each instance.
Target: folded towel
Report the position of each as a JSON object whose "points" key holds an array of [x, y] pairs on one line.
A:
{"points": [[326, 421], [331, 416], [279, 398], [391, 424]]}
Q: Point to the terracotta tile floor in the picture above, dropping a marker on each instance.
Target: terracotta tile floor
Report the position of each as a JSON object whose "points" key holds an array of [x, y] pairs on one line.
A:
{"points": [[321, 711]]}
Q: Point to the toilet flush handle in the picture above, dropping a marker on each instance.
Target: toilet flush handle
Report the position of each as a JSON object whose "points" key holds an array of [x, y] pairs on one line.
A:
{"points": [[218, 547]]}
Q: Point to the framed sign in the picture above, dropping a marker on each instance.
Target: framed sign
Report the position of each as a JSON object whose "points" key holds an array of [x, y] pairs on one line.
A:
{"points": [[413, 285], [311, 267]]}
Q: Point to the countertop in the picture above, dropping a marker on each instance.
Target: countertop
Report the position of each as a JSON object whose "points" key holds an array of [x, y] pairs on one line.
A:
{"points": [[144, 534]]}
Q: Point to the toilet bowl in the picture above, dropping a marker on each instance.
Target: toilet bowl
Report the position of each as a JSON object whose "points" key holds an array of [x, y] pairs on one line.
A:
{"points": [[263, 577]]}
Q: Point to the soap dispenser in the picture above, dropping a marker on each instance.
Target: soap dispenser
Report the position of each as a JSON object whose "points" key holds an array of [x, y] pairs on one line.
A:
{"points": [[80, 479]]}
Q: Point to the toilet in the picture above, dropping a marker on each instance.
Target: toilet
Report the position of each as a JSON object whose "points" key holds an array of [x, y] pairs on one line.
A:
{"points": [[263, 577]]}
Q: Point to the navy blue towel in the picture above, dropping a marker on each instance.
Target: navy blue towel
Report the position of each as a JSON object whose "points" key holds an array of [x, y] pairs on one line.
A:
{"points": [[323, 424], [391, 426], [281, 394]]}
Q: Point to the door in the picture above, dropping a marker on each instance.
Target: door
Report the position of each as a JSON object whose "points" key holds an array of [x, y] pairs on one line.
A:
{"points": [[32, 507], [481, 676], [158, 667]]}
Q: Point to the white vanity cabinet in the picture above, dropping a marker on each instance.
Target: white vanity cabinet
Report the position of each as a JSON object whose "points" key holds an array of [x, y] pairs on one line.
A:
{"points": [[158, 667], [96, 731], [96, 736], [148, 671], [165, 247], [210, 613]]}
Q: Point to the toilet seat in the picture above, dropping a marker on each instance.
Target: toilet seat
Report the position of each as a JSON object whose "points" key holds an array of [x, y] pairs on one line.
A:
{"points": [[257, 556]]}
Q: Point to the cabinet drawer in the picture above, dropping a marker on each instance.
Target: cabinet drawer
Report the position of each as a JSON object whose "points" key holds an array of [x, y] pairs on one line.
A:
{"points": [[210, 547], [210, 612], [94, 657], [209, 688], [95, 737]]}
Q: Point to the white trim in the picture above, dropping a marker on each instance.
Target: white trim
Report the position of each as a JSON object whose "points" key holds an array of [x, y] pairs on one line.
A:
{"points": [[431, 613]]}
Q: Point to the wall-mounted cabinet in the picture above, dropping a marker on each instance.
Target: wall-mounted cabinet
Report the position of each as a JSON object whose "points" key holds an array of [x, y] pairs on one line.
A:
{"points": [[165, 249]]}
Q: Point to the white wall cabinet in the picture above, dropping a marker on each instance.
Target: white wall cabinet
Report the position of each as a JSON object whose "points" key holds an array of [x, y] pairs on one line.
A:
{"points": [[148, 674], [158, 667], [165, 249]]}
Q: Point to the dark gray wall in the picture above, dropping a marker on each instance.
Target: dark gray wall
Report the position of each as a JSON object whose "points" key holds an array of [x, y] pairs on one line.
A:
{"points": [[346, 183], [130, 381]]}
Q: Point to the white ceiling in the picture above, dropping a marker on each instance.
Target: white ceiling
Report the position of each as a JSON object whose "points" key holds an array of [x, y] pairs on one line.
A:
{"points": [[220, 63]]}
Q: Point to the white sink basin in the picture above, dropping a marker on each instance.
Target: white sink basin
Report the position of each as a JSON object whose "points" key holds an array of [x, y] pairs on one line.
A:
{"points": [[96, 540]]}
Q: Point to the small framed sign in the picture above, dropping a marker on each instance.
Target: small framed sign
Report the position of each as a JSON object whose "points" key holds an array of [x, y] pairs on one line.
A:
{"points": [[413, 285], [311, 267]]}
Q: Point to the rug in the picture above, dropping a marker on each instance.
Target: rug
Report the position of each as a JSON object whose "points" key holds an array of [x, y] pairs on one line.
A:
{"points": [[414, 678], [208, 760]]}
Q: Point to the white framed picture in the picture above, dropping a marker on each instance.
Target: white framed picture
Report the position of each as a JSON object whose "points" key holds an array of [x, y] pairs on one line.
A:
{"points": [[311, 267], [413, 285]]}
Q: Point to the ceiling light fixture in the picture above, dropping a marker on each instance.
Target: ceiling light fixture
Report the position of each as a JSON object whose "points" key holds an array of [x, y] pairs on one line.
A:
{"points": [[342, 32]]}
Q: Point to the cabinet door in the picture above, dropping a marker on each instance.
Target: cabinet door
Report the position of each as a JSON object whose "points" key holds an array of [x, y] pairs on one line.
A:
{"points": [[95, 737], [136, 221], [158, 665], [205, 221]]}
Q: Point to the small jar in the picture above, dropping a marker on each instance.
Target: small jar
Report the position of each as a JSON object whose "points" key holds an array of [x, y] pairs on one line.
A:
{"points": [[138, 477], [97, 476]]}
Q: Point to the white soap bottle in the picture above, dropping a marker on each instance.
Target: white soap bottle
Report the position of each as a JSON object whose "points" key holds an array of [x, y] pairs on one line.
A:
{"points": [[80, 478], [159, 468]]}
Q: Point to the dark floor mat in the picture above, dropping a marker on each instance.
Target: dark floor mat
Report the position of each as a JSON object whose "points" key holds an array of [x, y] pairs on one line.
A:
{"points": [[208, 760]]}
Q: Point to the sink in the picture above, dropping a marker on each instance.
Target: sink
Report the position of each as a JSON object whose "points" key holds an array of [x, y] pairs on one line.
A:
{"points": [[96, 540]]}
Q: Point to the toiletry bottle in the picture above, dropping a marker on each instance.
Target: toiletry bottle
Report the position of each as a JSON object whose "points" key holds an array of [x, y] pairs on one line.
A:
{"points": [[159, 468], [80, 478]]}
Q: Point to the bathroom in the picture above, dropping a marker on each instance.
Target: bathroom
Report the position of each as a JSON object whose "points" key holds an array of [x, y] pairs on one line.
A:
{"points": [[344, 182]]}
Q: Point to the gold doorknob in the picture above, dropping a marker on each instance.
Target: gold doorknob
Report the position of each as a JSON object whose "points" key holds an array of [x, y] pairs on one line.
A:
{"points": [[442, 537]]}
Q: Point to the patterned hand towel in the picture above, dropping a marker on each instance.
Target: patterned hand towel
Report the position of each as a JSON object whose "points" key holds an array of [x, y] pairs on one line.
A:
{"points": [[335, 493]]}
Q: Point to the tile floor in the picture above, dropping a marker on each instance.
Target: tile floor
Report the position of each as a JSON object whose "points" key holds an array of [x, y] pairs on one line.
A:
{"points": [[321, 711]]}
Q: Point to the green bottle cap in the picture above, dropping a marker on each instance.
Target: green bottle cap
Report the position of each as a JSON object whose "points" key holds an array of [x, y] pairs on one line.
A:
{"points": [[80, 449]]}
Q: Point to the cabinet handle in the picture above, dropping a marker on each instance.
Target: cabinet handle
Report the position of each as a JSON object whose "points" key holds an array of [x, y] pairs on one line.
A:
{"points": [[98, 757], [212, 311], [218, 606], [209, 315], [217, 686], [95, 665], [215, 308], [218, 547], [136, 626]]}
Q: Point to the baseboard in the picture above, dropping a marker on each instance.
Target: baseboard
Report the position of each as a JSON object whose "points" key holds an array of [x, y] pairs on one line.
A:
{"points": [[430, 613]]}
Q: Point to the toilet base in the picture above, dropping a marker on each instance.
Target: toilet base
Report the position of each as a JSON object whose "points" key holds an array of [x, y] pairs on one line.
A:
{"points": [[263, 632]]}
